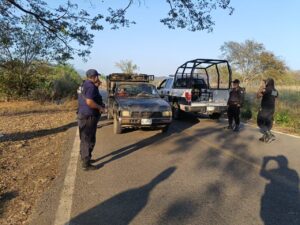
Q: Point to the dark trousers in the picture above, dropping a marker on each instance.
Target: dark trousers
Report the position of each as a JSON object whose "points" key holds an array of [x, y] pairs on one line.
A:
{"points": [[265, 119], [87, 132], [233, 113]]}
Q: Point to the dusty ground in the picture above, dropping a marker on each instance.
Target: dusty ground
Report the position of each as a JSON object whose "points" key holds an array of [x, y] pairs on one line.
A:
{"points": [[32, 140]]}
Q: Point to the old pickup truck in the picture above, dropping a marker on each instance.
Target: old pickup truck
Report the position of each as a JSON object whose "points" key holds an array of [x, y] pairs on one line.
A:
{"points": [[134, 102]]}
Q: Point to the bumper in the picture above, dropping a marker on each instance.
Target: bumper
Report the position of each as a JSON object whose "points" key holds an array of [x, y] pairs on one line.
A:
{"points": [[137, 122], [205, 109]]}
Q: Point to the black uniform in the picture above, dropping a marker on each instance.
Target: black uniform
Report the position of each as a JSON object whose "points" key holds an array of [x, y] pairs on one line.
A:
{"points": [[235, 101], [88, 119], [266, 113]]}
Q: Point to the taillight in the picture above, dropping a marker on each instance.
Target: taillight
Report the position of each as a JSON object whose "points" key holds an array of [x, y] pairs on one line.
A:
{"points": [[188, 96]]}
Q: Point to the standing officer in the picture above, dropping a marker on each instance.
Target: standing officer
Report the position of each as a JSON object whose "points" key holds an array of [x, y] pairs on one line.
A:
{"points": [[268, 95], [89, 112], [235, 102]]}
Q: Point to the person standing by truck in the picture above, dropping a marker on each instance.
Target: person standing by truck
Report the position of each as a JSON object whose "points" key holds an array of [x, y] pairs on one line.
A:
{"points": [[235, 102], [268, 95], [90, 107]]}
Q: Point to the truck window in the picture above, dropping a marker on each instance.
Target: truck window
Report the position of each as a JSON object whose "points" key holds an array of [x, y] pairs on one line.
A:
{"points": [[169, 83], [162, 84]]}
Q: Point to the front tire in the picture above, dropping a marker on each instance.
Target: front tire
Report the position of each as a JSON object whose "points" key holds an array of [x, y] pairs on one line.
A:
{"points": [[117, 125]]}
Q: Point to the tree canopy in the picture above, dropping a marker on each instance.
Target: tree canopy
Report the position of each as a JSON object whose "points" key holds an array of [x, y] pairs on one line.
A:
{"points": [[68, 23], [252, 60], [127, 66]]}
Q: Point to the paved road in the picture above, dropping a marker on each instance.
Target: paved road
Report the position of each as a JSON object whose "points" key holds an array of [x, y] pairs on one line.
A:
{"points": [[197, 173]]}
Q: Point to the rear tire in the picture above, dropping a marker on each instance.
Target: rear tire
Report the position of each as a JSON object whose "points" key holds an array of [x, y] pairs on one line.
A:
{"points": [[117, 125], [215, 116], [176, 111]]}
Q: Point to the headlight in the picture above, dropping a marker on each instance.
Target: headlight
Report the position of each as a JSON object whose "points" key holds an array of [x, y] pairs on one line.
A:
{"points": [[167, 113], [125, 113]]}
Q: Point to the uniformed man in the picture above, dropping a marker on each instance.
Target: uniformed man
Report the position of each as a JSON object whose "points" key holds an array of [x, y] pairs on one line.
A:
{"points": [[89, 112], [235, 102]]}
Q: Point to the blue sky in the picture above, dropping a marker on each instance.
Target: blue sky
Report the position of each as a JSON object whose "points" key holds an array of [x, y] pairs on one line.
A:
{"points": [[158, 50]]}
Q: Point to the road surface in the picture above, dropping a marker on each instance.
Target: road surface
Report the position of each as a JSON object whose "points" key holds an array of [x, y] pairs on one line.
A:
{"points": [[197, 173]]}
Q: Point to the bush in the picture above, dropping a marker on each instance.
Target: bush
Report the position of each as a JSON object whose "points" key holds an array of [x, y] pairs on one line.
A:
{"points": [[282, 118]]}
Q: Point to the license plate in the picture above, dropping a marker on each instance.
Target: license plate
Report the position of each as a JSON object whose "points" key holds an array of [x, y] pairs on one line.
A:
{"points": [[146, 121], [210, 108]]}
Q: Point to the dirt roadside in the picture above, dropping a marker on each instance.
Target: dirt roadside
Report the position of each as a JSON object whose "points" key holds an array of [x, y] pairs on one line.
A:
{"points": [[33, 140]]}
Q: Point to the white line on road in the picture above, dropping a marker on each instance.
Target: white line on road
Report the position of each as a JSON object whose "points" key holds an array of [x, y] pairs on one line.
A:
{"points": [[63, 213]]}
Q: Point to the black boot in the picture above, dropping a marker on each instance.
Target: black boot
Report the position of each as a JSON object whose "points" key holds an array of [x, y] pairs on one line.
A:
{"points": [[263, 138], [229, 127], [236, 128], [270, 137], [86, 165]]}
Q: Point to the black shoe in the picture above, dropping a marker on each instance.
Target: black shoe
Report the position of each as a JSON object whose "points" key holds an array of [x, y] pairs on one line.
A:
{"points": [[229, 127], [93, 161], [263, 138], [86, 165], [270, 137], [236, 128], [90, 167]]}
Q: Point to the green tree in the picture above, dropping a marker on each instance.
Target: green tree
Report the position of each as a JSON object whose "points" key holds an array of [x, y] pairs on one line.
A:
{"points": [[127, 66], [68, 23], [252, 61], [22, 52]]}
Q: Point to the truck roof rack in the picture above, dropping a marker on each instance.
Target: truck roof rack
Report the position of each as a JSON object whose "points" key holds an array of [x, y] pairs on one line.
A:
{"points": [[125, 77]]}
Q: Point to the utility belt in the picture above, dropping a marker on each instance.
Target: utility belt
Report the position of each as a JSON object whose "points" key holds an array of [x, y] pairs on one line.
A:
{"points": [[233, 103], [85, 117]]}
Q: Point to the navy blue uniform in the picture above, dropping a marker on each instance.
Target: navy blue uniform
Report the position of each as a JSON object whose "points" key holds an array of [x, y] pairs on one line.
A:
{"points": [[88, 119], [235, 101]]}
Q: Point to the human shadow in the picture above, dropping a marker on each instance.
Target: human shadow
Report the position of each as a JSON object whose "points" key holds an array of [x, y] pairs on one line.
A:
{"points": [[280, 203], [122, 208], [4, 198], [176, 127], [22, 136]]}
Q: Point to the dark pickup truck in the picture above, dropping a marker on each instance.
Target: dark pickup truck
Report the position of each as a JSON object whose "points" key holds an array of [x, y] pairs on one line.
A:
{"points": [[134, 102]]}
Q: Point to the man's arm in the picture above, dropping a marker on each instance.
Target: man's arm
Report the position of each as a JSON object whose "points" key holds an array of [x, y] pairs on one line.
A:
{"points": [[92, 104]]}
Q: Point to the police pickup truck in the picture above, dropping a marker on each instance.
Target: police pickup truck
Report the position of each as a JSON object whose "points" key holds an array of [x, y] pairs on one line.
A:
{"points": [[199, 86], [134, 102]]}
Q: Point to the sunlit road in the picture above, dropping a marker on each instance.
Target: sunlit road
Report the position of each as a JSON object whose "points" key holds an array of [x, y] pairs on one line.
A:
{"points": [[197, 173]]}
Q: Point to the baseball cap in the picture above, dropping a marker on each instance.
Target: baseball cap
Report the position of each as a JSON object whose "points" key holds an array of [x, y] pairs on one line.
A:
{"points": [[92, 73], [236, 81]]}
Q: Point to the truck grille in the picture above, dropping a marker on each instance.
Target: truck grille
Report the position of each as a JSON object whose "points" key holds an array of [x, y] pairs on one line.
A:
{"points": [[146, 114]]}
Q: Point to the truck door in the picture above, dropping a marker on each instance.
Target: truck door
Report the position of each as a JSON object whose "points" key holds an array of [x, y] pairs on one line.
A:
{"points": [[161, 88]]}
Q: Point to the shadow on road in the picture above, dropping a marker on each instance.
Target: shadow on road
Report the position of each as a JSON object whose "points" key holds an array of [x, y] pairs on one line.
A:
{"points": [[280, 203], [22, 136], [120, 153], [122, 208]]}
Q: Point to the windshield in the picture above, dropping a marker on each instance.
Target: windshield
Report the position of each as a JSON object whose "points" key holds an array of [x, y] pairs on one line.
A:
{"points": [[136, 90]]}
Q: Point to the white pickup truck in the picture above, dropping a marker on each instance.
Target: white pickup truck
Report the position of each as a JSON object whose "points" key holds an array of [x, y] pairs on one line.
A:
{"points": [[199, 86]]}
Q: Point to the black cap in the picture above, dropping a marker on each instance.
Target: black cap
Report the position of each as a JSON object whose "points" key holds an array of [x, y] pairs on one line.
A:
{"points": [[92, 73], [236, 81]]}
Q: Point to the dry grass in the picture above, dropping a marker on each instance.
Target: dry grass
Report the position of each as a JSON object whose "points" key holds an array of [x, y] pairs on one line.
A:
{"points": [[30, 152]]}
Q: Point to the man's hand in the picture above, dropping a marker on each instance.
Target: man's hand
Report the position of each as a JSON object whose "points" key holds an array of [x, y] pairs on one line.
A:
{"points": [[101, 109]]}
